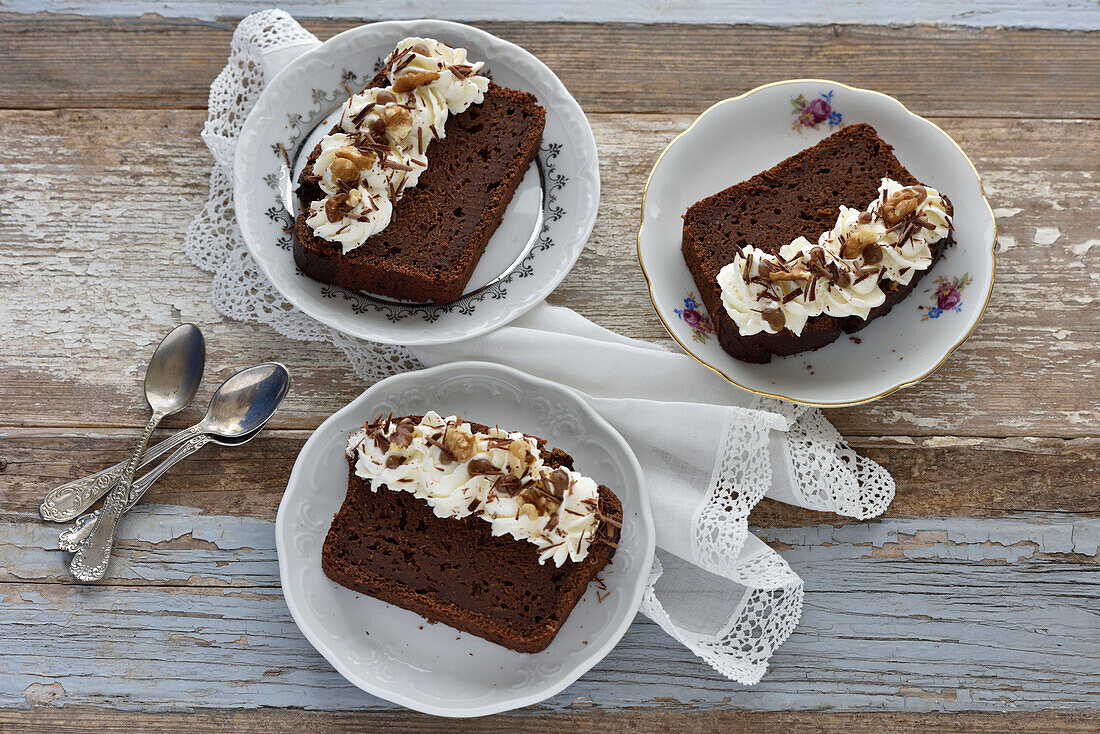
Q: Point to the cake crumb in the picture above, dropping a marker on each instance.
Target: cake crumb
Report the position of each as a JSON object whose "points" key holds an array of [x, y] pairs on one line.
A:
{"points": [[857, 340]]}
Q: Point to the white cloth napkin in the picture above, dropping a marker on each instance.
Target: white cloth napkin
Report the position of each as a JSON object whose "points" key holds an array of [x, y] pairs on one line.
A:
{"points": [[709, 451]]}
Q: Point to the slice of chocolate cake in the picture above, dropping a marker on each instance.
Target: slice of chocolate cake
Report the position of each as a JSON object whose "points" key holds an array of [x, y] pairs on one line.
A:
{"points": [[819, 245], [484, 530], [402, 196]]}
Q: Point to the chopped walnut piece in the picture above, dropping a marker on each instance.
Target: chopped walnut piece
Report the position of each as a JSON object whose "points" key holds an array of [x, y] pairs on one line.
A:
{"points": [[358, 158], [398, 122], [336, 207], [461, 444], [792, 274], [344, 170], [413, 79], [902, 204], [859, 238]]}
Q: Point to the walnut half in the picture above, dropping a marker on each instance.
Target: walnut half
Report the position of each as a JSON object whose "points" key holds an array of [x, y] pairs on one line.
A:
{"points": [[902, 204]]}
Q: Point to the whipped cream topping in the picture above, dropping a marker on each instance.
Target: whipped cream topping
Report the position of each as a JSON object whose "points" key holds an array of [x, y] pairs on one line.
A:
{"points": [[499, 476], [842, 274], [380, 150]]}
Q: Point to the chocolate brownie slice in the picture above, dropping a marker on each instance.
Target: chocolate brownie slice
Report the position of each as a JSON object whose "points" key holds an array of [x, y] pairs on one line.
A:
{"points": [[798, 197], [441, 226], [390, 544]]}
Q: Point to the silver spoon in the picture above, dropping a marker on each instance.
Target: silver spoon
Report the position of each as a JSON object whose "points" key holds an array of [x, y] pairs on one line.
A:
{"points": [[246, 401], [72, 499], [171, 382], [71, 538]]}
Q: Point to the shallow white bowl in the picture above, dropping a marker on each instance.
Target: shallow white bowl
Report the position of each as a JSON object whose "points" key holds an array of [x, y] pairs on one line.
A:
{"points": [[394, 653], [740, 137], [544, 228]]}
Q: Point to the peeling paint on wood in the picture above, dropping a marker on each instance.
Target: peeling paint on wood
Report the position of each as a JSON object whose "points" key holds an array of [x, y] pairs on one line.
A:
{"points": [[135, 62], [915, 614], [1061, 14]]}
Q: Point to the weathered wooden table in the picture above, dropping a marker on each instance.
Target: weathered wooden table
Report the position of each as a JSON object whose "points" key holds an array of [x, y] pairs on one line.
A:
{"points": [[977, 594]]}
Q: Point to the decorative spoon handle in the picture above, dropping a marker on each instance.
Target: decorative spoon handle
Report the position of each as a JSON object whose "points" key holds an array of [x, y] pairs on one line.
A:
{"points": [[73, 536], [91, 559], [72, 498]]}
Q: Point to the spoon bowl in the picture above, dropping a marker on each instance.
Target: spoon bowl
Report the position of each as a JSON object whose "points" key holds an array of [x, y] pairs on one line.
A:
{"points": [[245, 402], [175, 371]]}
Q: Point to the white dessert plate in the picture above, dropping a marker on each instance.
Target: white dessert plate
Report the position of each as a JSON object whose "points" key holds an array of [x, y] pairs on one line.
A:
{"points": [[544, 228], [433, 668], [740, 137]]}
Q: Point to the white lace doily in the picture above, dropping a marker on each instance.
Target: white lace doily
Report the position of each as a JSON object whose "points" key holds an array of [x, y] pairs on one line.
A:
{"points": [[754, 598]]}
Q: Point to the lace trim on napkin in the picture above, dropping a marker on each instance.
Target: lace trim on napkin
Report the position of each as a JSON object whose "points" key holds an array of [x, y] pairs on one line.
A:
{"points": [[742, 474], [768, 612], [829, 475]]}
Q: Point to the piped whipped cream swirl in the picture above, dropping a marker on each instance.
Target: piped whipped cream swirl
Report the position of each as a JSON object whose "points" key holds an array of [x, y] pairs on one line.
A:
{"points": [[842, 274], [499, 476], [380, 150]]}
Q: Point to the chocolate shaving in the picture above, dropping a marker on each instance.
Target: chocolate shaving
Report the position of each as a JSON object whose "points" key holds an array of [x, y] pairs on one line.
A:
{"points": [[462, 71], [507, 484], [792, 295], [358, 117], [482, 467], [444, 452], [387, 163], [403, 434], [609, 520]]}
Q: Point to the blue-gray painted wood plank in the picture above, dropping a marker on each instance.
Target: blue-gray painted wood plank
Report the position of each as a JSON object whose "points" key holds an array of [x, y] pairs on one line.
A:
{"points": [[1054, 14], [903, 614]]}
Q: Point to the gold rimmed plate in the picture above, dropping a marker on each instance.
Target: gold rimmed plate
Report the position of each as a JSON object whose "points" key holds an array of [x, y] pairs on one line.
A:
{"points": [[737, 138]]}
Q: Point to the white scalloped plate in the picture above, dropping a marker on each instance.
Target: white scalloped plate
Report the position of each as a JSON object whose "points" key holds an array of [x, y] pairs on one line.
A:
{"points": [[540, 238], [740, 137], [394, 653]]}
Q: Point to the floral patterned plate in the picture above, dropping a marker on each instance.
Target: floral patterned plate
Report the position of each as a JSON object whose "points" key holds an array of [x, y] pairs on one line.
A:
{"points": [[394, 653], [535, 246], [736, 139]]}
